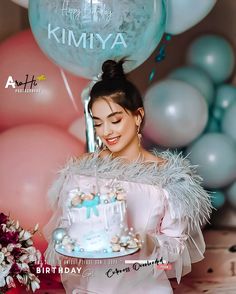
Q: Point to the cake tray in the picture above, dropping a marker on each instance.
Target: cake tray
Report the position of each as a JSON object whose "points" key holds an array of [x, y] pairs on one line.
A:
{"points": [[94, 255]]}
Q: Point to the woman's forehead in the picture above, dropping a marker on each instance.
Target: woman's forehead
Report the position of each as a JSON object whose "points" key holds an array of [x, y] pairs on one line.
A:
{"points": [[104, 107]]}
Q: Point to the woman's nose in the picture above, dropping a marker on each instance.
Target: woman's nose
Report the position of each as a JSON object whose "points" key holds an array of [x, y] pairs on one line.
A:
{"points": [[107, 130]]}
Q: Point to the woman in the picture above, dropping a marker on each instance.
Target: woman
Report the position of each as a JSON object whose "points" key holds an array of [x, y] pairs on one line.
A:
{"points": [[166, 203]]}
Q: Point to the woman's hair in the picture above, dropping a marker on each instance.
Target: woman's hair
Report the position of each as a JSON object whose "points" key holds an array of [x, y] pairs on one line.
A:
{"points": [[116, 87]]}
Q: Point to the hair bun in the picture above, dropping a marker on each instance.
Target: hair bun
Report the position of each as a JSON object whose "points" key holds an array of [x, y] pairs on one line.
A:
{"points": [[113, 70]]}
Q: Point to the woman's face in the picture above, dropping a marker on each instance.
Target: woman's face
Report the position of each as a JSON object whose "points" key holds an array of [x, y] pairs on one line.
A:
{"points": [[116, 127]]}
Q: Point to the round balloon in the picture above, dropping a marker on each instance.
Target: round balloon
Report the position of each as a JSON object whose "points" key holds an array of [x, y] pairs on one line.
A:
{"points": [[215, 156], [225, 96], [176, 113], [78, 129], [80, 35], [44, 96], [217, 113], [23, 3], [213, 125], [231, 194], [30, 157], [214, 54], [197, 78], [217, 199], [184, 14], [229, 122]]}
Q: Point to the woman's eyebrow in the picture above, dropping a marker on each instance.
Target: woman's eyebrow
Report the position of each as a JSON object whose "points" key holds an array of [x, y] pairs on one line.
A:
{"points": [[110, 115]]}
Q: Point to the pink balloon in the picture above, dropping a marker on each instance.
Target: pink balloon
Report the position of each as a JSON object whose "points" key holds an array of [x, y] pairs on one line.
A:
{"points": [[78, 129], [30, 156], [23, 3], [19, 56]]}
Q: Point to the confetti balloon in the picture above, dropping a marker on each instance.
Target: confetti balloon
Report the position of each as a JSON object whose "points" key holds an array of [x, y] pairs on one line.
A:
{"points": [[80, 35]]}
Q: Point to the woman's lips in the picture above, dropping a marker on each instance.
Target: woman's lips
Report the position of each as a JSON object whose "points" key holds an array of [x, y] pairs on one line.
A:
{"points": [[112, 141]]}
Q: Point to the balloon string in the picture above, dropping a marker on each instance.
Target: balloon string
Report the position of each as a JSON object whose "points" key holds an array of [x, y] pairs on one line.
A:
{"points": [[67, 86], [91, 139]]}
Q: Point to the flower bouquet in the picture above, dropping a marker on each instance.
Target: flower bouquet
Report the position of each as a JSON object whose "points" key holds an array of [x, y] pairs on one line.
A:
{"points": [[18, 256]]}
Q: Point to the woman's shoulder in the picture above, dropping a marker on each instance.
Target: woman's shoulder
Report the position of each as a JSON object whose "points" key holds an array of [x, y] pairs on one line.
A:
{"points": [[148, 156], [158, 159]]}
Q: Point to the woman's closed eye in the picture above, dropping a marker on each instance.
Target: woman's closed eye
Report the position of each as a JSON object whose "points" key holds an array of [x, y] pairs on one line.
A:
{"points": [[96, 125], [116, 122]]}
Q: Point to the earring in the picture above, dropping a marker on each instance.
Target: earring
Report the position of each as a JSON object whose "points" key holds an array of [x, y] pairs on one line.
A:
{"points": [[139, 136]]}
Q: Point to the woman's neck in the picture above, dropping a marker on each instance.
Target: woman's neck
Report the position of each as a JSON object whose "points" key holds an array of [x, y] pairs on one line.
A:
{"points": [[131, 154]]}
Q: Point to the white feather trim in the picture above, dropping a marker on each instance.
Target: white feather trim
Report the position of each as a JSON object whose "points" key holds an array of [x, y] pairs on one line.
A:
{"points": [[177, 176]]}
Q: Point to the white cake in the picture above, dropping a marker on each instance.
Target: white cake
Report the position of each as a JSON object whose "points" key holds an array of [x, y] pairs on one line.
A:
{"points": [[97, 223]]}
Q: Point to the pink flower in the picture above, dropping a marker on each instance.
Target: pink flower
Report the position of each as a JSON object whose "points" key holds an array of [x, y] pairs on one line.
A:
{"points": [[3, 218], [16, 252], [9, 237], [17, 255], [15, 269]]}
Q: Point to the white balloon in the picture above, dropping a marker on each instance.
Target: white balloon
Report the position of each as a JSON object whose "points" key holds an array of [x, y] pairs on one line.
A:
{"points": [[24, 3], [184, 14], [175, 113]]}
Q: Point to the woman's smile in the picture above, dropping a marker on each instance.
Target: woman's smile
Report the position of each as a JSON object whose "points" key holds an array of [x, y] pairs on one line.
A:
{"points": [[112, 141]]}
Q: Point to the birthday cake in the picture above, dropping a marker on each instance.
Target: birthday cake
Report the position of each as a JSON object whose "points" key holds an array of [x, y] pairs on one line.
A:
{"points": [[97, 224]]}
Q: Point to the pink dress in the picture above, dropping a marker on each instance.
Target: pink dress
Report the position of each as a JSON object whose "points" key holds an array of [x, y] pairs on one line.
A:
{"points": [[165, 204]]}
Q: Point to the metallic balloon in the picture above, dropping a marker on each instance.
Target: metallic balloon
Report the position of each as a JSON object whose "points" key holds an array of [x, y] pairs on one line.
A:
{"points": [[213, 125], [231, 194], [225, 96], [215, 155], [217, 199], [229, 122], [58, 235], [176, 113], [197, 78], [217, 113], [184, 14], [214, 54], [24, 3]]}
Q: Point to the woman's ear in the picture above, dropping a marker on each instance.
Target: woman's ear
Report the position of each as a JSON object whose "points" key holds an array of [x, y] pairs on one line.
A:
{"points": [[139, 115]]}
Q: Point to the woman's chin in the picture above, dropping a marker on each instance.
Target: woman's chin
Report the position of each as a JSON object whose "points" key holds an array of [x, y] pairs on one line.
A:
{"points": [[114, 148]]}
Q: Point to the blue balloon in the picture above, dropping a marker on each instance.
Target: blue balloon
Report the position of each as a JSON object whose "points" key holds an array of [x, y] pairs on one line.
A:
{"points": [[217, 199], [183, 14], [225, 96], [217, 113], [80, 35], [58, 234], [213, 125], [176, 113], [231, 194], [229, 122], [215, 154], [197, 78], [214, 54]]}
